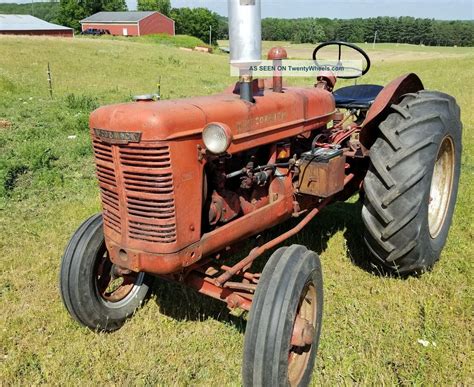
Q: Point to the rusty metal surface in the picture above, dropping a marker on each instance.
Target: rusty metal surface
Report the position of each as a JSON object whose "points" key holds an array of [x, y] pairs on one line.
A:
{"points": [[234, 299], [322, 179], [149, 190], [391, 94], [256, 252], [274, 117], [139, 200], [277, 54], [152, 196], [138, 258]]}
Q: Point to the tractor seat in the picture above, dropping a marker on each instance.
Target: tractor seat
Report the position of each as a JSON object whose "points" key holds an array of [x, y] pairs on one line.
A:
{"points": [[357, 96]]}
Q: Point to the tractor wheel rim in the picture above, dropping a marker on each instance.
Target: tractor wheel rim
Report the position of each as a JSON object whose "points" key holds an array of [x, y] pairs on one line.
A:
{"points": [[299, 356], [114, 290], [441, 187]]}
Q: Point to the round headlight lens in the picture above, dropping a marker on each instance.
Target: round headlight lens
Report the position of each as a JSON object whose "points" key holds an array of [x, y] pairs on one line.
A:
{"points": [[217, 138]]}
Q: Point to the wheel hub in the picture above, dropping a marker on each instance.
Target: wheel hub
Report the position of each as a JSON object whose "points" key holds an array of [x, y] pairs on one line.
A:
{"points": [[302, 337], [441, 187], [303, 333], [114, 284]]}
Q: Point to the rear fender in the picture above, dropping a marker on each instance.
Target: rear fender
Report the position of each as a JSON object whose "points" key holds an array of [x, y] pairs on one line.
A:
{"points": [[391, 94]]}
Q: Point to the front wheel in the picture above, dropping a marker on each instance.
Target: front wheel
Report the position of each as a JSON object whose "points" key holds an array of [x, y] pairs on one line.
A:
{"points": [[97, 293], [282, 335]]}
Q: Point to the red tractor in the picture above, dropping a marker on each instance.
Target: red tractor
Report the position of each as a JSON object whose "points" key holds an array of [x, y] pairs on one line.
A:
{"points": [[185, 182]]}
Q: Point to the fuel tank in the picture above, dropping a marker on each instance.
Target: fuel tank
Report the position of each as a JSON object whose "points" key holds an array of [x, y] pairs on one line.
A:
{"points": [[273, 116]]}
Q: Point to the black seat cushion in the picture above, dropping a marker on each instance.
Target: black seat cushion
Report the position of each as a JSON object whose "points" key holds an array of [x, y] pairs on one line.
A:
{"points": [[357, 96]]}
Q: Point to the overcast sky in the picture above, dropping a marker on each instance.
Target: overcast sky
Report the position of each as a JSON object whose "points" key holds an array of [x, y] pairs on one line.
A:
{"points": [[344, 9]]}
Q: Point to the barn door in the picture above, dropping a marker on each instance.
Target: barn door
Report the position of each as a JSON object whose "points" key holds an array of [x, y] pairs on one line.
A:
{"points": [[125, 32]]}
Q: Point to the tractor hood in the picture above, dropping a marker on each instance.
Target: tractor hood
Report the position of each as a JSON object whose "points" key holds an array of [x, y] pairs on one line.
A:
{"points": [[296, 108]]}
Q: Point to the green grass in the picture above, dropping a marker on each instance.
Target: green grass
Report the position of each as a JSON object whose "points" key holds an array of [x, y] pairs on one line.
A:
{"points": [[185, 41], [47, 187]]}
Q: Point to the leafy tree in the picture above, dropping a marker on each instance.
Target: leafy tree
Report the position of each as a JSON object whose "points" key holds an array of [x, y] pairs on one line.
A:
{"points": [[196, 22], [114, 5], [223, 29], [162, 6], [70, 13], [308, 31], [44, 10], [92, 6]]}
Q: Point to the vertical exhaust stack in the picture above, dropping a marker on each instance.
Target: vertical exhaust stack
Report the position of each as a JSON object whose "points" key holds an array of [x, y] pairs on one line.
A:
{"points": [[245, 41]]}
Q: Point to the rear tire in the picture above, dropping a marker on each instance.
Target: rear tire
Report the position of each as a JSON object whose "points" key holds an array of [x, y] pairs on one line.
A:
{"points": [[95, 292], [411, 186], [290, 291]]}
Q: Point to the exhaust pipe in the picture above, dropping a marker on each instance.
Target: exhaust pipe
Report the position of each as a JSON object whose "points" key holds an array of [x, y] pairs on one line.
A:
{"points": [[245, 41]]}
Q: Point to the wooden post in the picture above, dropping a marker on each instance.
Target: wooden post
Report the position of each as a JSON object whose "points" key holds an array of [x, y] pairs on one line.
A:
{"points": [[158, 88], [375, 39], [50, 83]]}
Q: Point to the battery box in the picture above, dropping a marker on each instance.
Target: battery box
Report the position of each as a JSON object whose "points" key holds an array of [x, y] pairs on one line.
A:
{"points": [[321, 172]]}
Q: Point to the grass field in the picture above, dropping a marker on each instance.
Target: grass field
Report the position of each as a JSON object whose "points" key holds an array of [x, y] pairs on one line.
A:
{"points": [[371, 324]]}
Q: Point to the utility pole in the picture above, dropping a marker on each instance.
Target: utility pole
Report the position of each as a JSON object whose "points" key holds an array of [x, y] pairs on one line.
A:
{"points": [[32, 12], [210, 35], [375, 39]]}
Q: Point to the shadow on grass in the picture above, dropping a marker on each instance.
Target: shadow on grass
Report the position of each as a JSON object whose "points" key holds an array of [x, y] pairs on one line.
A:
{"points": [[185, 304], [339, 217]]}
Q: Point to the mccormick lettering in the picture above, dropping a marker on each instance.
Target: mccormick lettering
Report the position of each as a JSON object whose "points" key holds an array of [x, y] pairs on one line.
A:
{"points": [[266, 120], [117, 137]]}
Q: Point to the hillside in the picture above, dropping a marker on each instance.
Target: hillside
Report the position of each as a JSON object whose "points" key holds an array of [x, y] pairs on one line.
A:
{"points": [[371, 325]]}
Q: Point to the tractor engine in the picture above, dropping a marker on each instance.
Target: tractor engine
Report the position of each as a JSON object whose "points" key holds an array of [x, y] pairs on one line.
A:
{"points": [[163, 190]]}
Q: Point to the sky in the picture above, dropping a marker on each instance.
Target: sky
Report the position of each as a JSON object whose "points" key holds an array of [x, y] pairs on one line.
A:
{"points": [[346, 9], [343, 9]]}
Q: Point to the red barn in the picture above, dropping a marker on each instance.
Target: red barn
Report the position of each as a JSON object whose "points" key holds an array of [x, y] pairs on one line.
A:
{"points": [[30, 25], [130, 23]]}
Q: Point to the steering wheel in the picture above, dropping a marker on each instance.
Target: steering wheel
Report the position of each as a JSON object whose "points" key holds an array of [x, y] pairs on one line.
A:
{"points": [[350, 45]]}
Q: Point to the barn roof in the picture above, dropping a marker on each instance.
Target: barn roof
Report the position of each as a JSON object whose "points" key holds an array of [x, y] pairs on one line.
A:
{"points": [[27, 23], [118, 17]]}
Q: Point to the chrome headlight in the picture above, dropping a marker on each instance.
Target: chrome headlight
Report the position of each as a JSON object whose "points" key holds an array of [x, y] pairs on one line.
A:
{"points": [[217, 137]]}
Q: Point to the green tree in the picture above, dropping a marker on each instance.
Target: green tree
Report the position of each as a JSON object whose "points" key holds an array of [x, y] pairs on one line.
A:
{"points": [[308, 31], [162, 6], [196, 22], [91, 6], [70, 13], [114, 5]]}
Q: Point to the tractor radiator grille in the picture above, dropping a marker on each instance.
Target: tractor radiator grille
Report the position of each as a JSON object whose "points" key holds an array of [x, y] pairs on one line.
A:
{"points": [[146, 187], [108, 185], [148, 184]]}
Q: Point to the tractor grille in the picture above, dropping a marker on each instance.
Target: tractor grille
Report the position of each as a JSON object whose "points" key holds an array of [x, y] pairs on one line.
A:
{"points": [[108, 185], [148, 184], [148, 192]]}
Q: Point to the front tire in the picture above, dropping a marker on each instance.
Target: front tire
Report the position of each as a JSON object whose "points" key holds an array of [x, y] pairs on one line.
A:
{"points": [[96, 293], [411, 186], [282, 335]]}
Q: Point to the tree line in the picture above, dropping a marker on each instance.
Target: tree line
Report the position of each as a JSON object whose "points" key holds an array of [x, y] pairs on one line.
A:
{"points": [[198, 22], [404, 29]]}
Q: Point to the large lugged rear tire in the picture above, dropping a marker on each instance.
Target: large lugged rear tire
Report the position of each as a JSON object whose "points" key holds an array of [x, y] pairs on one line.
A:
{"points": [[411, 186], [95, 292], [282, 335]]}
